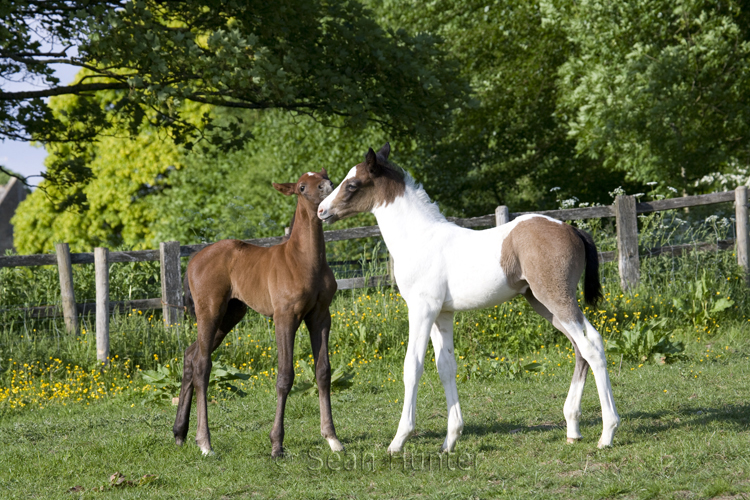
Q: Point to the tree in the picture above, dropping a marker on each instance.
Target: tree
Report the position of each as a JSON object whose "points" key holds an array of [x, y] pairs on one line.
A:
{"points": [[511, 146], [329, 61], [146, 190], [657, 89]]}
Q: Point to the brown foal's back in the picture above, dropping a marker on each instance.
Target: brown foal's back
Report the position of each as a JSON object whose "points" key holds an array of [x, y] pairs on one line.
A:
{"points": [[290, 282]]}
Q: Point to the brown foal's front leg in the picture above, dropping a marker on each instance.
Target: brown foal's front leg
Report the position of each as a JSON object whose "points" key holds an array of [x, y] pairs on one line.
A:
{"points": [[286, 328], [319, 325]]}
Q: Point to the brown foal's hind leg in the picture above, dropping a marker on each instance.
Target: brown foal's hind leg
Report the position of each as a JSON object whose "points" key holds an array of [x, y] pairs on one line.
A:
{"points": [[286, 328], [182, 421], [201, 373], [235, 312], [319, 324], [572, 407]]}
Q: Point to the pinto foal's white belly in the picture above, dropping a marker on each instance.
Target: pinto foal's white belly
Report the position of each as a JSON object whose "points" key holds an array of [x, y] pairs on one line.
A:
{"points": [[474, 276]]}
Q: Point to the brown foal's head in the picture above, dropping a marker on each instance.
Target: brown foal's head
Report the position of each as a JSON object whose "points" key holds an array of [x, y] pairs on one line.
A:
{"points": [[368, 185], [311, 188]]}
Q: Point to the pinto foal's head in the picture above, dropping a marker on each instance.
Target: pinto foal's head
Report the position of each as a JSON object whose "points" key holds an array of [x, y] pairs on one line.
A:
{"points": [[311, 189], [368, 185]]}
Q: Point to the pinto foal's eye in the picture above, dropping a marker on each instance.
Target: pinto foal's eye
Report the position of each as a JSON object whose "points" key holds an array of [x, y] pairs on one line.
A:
{"points": [[351, 187]]}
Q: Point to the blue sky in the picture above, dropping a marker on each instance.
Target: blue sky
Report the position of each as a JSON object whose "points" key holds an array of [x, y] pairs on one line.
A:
{"points": [[22, 157]]}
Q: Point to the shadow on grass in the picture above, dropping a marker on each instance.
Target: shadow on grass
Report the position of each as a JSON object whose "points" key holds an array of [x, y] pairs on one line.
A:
{"points": [[737, 416]]}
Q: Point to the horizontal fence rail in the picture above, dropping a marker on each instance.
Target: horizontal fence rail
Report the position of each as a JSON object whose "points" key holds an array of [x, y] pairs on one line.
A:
{"points": [[625, 209], [371, 231]]}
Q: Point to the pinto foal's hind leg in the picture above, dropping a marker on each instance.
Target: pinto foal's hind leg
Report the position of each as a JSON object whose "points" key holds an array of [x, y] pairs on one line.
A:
{"points": [[319, 325], [445, 360], [572, 407], [591, 347]]}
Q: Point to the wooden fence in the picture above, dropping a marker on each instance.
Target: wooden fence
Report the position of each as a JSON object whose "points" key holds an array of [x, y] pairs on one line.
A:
{"points": [[624, 210]]}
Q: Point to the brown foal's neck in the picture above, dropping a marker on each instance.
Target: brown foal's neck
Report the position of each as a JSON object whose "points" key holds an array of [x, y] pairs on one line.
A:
{"points": [[306, 237]]}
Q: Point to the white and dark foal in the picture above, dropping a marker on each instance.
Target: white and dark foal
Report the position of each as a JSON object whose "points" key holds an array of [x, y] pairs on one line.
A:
{"points": [[441, 268]]}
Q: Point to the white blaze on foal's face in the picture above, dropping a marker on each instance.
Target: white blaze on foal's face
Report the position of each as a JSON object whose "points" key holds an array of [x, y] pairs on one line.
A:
{"points": [[366, 186], [328, 209]]}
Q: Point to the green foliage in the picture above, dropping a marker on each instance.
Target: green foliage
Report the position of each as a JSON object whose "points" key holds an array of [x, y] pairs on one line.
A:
{"points": [[657, 89], [165, 380], [639, 343], [701, 303], [491, 368], [511, 145], [307, 383], [230, 195], [330, 61]]}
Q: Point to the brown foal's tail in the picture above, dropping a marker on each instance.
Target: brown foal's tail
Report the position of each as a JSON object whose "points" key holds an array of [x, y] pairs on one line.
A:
{"points": [[592, 287], [188, 298]]}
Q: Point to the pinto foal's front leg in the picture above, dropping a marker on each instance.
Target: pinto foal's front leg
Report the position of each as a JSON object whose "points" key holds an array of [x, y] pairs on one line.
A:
{"points": [[421, 318], [445, 360]]}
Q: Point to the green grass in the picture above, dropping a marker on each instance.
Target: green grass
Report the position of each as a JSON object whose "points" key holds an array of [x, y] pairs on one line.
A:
{"points": [[684, 434], [67, 422]]}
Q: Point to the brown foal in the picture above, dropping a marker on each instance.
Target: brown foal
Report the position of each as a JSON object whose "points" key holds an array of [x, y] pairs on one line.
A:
{"points": [[290, 282]]}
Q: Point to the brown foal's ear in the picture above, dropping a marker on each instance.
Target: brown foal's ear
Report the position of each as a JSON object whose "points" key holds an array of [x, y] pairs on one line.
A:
{"points": [[324, 173], [287, 188]]}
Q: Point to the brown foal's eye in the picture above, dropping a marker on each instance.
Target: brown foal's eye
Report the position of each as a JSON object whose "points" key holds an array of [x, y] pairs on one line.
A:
{"points": [[302, 188]]}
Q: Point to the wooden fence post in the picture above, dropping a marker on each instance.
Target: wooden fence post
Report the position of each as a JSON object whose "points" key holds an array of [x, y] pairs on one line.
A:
{"points": [[101, 272], [740, 210], [627, 241], [502, 215], [67, 293], [391, 275], [171, 282]]}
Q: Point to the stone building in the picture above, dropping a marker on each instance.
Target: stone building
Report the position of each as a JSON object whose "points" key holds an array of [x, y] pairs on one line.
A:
{"points": [[11, 194]]}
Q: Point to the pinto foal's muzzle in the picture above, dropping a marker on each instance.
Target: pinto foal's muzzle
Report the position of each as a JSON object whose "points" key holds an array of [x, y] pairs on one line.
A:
{"points": [[324, 212]]}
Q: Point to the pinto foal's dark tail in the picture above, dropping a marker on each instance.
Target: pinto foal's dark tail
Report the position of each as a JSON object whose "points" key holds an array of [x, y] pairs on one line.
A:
{"points": [[592, 287]]}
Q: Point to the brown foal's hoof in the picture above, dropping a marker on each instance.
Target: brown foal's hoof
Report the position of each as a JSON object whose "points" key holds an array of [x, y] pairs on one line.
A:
{"points": [[277, 452]]}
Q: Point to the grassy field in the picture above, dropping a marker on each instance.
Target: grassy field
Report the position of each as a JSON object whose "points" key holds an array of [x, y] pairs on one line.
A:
{"points": [[678, 349], [684, 434]]}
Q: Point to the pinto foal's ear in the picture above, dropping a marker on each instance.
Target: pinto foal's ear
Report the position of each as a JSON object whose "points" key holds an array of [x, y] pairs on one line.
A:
{"points": [[287, 188], [371, 163], [385, 151]]}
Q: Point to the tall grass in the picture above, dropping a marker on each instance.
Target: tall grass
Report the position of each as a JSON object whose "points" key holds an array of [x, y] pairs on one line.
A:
{"points": [[370, 327]]}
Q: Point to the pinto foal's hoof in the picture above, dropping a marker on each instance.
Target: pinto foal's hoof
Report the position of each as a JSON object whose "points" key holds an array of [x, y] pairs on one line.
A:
{"points": [[573, 440], [335, 444], [179, 441], [277, 453]]}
